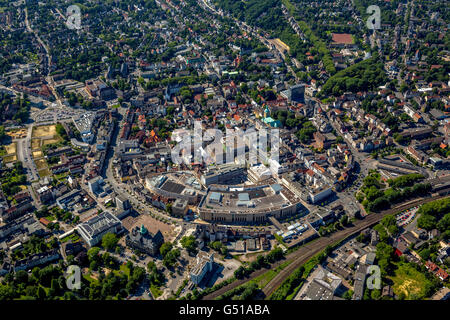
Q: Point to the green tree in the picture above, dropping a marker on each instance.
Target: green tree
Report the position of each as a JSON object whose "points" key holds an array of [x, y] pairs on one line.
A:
{"points": [[93, 254], [171, 258], [109, 241], [2, 133], [41, 293], [426, 222], [21, 277], [165, 248], [240, 272], [189, 244], [375, 294]]}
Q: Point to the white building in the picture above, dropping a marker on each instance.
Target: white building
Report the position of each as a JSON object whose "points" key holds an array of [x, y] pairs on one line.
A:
{"points": [[93, 230], [203, 265], [320, 194]]}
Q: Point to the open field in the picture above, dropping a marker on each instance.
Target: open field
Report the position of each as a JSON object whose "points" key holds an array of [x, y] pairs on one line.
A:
{"points": [[40, 164], [35, 144], [122, 270], [37, 154], [50, 141], [10, 158], [44, 173], [410, 282], [11, 152], [44, 131], [11, 149]]}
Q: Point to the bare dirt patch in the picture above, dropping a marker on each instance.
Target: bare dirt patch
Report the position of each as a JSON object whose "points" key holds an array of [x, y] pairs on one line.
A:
{"points": [[40, 164], [50, 141], [17, 134], [151, 224], [44, 131], [11, 148], [35, 144], [10, 158], [37, 154]]}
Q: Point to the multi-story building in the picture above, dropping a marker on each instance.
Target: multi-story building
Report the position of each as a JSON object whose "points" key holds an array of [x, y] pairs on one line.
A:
{"points": [[141, 239], [94, 229], [180, 207], [203, 264], [122, 203], [320, 194], [222, 173]]}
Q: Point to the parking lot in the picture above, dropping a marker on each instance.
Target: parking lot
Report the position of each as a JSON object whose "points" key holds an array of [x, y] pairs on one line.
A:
{"points": [[55, 113], [406, 216]]}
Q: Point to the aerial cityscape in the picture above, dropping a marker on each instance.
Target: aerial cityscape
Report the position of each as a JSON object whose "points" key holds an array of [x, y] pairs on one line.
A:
{"points": [[239, 150]]}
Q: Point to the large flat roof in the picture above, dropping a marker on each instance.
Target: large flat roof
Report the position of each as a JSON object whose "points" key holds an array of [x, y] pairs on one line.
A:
{"points": [[247, 200], [172, 187]]}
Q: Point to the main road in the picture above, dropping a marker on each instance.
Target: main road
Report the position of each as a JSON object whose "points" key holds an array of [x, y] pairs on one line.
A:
{"points": [[256, 32], [49, 78], [120, 188]]}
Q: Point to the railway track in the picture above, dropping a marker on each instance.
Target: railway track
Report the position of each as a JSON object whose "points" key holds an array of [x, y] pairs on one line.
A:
{"points": [[306, 252]]}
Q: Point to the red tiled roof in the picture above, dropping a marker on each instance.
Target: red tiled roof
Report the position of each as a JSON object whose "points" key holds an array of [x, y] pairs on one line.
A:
{"points": [[44, 221], [442, 274], [342, 38], [430, 265]]}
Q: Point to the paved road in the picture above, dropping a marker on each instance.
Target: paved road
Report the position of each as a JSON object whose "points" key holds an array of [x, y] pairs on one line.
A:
{"points": [[49, 78], [121, 188], [254, 31], [23, 148], [306, 252]]}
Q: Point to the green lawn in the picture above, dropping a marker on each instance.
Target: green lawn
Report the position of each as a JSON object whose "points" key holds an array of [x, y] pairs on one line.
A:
{"points": [[409, 281], [61, 176], [89, 278], [73, 237], [123, 269], [156, 292], [50, 218]]}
